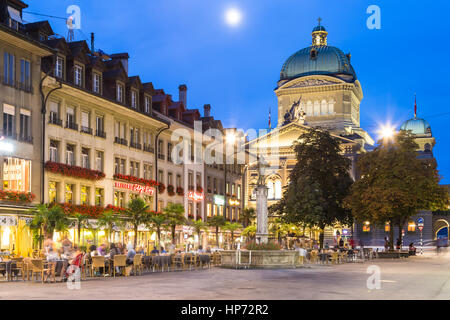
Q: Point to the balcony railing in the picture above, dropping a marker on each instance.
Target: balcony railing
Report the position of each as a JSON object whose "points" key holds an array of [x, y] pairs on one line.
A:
{"points": [[71, 125], [55, 120], [136, 145], [26, 139], [101, 134], [17, 84], [148, 148], [121, 141], [86, 130]]}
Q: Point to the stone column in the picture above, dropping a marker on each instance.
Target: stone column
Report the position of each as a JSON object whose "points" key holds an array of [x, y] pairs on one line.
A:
{"points": [[262, 230]]}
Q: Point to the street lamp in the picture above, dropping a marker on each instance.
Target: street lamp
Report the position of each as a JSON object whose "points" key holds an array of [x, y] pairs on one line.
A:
{"points": [[386, 131], [5, 146]]}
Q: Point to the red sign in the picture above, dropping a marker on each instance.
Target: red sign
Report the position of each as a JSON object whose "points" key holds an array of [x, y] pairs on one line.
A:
{"points": [[420, 228], [135, 187], [195, 196]]}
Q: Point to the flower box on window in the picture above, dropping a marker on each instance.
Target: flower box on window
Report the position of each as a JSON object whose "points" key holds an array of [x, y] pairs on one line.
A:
{"points": [[161, 188], [74, 171], [170, 190], [180, 191], [16, 196]]}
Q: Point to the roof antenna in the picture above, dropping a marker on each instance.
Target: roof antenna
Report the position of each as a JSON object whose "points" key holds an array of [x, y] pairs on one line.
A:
{"points": [[92, 43], [415, 106]]}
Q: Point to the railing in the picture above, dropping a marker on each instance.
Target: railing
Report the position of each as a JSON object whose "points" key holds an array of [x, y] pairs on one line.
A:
{"points": [[26, 139], [86, 130], [54, 120], [136, 145], [17, 84], [148, 148], [71, 125], [101, 134], [121, 141]]}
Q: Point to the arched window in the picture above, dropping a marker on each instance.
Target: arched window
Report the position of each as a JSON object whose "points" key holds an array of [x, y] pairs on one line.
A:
{"points": [[331, 106], [427, 147], [270, 191], [316, 108], [309, 108], [278, 190], [323, 107]]}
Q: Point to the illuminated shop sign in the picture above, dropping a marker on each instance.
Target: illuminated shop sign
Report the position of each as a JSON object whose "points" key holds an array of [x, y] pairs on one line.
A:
{"points": [[219, 200], [135, 187], [234, 202], [195, 196]]}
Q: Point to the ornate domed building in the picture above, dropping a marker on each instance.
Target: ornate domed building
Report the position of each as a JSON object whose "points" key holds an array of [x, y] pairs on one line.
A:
{"points": [[421, 130], [318, 87]]}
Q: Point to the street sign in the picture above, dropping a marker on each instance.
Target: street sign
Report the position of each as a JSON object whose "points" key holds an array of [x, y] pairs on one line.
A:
{"points": [[420, 221], [420, 228]]}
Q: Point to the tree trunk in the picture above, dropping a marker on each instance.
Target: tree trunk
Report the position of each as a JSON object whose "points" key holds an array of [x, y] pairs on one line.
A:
{"points": [[391, 236], [158, 231], [400, 236], [135, 235], [173, 234], [79, 233], [217, 237], [321, 238], [199, 234]]}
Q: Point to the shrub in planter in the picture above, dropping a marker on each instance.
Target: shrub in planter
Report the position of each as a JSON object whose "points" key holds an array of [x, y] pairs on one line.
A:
{"points": [[161, 188]]}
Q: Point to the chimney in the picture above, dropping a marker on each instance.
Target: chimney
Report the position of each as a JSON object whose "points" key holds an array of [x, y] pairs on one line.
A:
{"points": [[182, 89], [207, 110], [123, 57]]}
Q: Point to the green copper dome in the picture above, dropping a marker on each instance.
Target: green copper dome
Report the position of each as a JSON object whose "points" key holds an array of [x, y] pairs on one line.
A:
{"points": [[417, 126], [318, 59]]}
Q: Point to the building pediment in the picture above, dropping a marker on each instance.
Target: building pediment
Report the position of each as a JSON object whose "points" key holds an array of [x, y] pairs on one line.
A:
{"points": [[312, 83]]}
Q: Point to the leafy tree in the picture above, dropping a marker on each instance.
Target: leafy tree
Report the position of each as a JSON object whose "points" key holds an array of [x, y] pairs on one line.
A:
{"points": [[81, 224], [247, 216], [232, 227], [158, 221], [319, 182], [48, 220], [217, 222], [107, 221], [137, 213], [175, 217], [395, 185], [199, 225], [249, 232]]}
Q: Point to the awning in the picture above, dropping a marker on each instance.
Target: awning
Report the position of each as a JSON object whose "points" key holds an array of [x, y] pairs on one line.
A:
{"points": [[14, 14]]}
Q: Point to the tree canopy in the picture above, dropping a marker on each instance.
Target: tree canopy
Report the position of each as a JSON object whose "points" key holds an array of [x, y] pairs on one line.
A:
{"points": [[319, 182], [395, 184]]}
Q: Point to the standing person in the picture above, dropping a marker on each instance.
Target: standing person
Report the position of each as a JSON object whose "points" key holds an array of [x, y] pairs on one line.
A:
{"points": [[341, 243], [399, 244], [352, 243], [361, 244], [386, 244]]}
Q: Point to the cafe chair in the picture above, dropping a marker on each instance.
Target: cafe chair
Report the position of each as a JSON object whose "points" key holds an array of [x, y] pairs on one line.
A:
{"points": [[120, 261], [98, 263], [137, 264]]}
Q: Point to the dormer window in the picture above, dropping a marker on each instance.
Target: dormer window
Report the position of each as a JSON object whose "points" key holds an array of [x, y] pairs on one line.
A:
{"points": [[313, 54], [78, 75], [96, 83], [59, 67], [133, 99], [147, 105], [14, 18], [119, 96]]}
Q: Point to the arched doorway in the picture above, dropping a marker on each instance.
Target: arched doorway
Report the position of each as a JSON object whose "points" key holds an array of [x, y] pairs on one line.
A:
{"points": [[441, 227]]}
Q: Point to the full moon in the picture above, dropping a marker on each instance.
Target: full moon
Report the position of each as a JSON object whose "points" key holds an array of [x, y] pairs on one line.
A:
{"points": [[233, 17]]}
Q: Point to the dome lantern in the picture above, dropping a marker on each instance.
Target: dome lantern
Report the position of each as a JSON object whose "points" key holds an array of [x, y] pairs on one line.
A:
{"points": [[319, 35]]}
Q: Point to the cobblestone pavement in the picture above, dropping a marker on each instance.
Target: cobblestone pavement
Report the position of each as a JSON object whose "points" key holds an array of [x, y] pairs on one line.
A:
{"points": [[424, 277]]}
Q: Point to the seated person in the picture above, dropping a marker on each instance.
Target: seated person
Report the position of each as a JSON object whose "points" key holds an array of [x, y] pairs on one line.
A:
{"points": [[154, 251], [412, 249], [162, 250], [130, 254]]}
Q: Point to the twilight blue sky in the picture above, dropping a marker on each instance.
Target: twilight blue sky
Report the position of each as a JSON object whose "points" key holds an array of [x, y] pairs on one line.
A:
{"points": [[236, 69]]}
